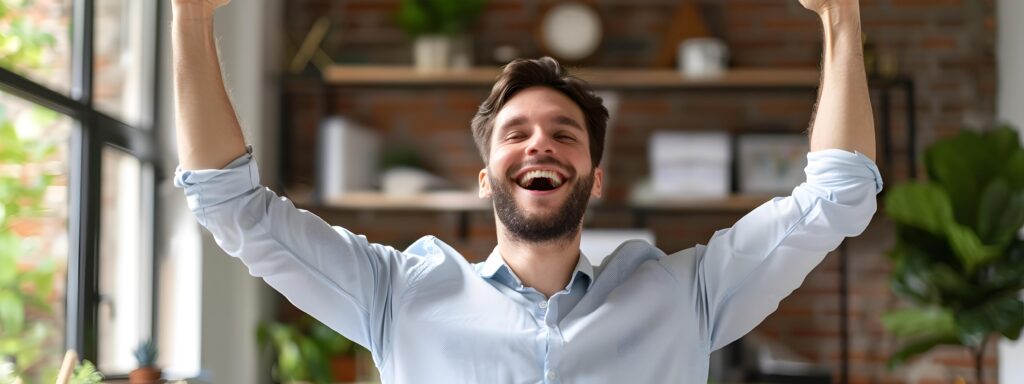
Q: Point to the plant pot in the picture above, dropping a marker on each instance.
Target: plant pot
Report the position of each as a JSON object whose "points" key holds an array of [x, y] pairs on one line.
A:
{"points": [[431, 53], [345, 368], [145, 375]]}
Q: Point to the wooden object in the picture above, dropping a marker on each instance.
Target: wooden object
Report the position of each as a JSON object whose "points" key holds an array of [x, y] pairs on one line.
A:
{"points": [[67, 367], [405, 76], [686, 23]]}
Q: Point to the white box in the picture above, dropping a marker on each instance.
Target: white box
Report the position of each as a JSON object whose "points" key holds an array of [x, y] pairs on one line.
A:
{"points": [[348, 157], [690, 164]]}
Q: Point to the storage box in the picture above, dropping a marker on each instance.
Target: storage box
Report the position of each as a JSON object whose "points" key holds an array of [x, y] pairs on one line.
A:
{"points": [[348, 156], [690, 164]]}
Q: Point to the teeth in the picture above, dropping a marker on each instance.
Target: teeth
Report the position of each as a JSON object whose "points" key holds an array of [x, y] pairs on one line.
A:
{"points": [[527, 178]]}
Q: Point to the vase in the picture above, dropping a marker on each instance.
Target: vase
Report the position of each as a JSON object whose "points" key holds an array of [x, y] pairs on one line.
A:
{"points": [[431, 53]]}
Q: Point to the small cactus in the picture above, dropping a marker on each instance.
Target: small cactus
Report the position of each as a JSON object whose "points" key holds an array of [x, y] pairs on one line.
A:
{"points": [[145, 353]]}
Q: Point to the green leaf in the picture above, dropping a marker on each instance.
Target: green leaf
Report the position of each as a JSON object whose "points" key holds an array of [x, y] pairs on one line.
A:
{"points": [[919, 346], [969, 248], [920, 205], [913, 322], [1013, 171], [961, 165], [12, 312], [1003, 315], [1001, 213]]}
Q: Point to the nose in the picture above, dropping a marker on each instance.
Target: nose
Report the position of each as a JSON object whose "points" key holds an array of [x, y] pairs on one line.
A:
{"points": [[540, 143]]}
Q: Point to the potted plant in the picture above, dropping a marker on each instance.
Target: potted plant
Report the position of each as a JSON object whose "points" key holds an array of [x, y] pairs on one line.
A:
{"points": [[308, 351], [959, 259], [438, 30], [147, 372], [86, 373]]}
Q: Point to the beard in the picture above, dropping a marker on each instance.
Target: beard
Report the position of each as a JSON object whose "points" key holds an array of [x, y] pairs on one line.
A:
{"points": [[561, 224]]}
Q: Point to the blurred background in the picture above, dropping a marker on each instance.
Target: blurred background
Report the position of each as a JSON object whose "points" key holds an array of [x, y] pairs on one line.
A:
{"points": [[359, 111]]}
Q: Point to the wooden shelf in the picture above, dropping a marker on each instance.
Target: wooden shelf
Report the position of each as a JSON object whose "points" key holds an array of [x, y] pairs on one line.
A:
{"points": [[404, 76], [739, 203], [469, 202]]}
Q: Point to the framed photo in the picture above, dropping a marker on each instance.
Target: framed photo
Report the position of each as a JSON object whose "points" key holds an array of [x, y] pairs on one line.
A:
{"points": [[771, 163]]}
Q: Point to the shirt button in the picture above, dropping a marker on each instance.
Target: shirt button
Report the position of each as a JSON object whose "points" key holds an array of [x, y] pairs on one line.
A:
{"points": [[551, 375], [543, 304]]}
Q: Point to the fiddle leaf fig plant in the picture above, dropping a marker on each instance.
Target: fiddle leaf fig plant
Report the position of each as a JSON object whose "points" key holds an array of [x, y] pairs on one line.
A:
{"points": [[959, 258]]}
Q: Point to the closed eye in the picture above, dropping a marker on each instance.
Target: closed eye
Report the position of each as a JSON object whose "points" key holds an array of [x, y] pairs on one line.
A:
{"points": [[566, 138]]}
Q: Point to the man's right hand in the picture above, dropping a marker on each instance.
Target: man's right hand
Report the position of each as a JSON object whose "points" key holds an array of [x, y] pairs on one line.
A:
{"points": [[213, 4], [196, 9]]}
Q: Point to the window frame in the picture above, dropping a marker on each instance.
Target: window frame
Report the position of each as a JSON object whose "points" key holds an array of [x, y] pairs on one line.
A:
{"points": [[92, 131]]}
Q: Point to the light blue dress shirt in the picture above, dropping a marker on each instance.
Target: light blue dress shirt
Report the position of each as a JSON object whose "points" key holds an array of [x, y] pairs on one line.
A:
{"points": [[429, 316]]}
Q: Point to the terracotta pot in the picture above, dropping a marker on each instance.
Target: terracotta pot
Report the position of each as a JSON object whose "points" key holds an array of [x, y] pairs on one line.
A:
{"points": [[145, 375], [344, 368]]}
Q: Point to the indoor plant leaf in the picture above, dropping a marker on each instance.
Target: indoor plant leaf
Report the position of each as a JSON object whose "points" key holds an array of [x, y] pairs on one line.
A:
{"points": [[921, 205], [1000, 213], [919, 346], [961, 165], [912, 322], [969, 248]]}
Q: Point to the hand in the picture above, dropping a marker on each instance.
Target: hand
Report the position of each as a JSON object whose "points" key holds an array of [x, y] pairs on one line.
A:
{"points": [[822, 6], [193, 10], [212, 4]]}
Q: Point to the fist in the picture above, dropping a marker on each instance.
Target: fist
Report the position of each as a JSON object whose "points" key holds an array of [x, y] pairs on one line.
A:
{"points": [[819, 6], [209, 4]]}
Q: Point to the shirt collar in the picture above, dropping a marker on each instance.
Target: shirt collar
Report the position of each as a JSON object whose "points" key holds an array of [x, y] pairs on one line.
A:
{"points": [[496, 268]]}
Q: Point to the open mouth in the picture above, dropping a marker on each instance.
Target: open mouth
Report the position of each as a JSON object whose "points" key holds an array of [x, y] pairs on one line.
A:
{"points": [[540, 180]]}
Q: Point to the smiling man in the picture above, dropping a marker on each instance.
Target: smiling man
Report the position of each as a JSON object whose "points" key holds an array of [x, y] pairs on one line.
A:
{"points": [[536, 310]]}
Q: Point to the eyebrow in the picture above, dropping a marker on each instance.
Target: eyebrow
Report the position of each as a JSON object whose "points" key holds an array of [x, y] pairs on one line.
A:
{"points": [[566, 120], [558, 119]]}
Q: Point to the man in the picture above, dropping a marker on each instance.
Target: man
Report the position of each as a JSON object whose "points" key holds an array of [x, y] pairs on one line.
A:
{"points": [[535, 310]]}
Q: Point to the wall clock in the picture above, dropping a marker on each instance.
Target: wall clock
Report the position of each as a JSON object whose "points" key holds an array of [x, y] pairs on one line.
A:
{"points": [[569, 31]]}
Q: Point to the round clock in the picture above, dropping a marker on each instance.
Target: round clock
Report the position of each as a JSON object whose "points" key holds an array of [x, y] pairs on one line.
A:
{"points": [[569, 31]]}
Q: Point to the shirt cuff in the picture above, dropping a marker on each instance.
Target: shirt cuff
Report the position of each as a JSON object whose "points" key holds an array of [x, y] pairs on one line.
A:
{"points": [[837, 168], [208, 187]]}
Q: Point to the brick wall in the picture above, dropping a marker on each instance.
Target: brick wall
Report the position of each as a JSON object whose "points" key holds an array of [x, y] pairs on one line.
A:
{"points": [[947, 46]]}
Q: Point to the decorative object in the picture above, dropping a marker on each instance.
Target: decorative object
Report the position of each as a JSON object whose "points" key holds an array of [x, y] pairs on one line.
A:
{"points": [[690, 164], [770, 163], [310, 48], [703, 57], [347, 157], [687, 23], [307, 351], [147, 371], [959, 258], [570, 31], [438, 29]]}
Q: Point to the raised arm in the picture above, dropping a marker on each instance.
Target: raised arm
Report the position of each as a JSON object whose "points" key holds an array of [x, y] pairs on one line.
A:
{"points": [[208, 132], [843, 117]]}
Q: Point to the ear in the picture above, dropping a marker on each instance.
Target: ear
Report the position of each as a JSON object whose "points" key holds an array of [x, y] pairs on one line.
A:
{"points": [[595, 191], [485, 184]]}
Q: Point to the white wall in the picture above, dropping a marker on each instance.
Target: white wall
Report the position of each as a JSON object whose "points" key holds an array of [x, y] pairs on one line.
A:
{"points": [[209, 304], [1011, 109]]}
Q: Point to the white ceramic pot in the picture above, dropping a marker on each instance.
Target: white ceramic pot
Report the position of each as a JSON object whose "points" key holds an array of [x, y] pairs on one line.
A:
{"points": [[431, 53]]}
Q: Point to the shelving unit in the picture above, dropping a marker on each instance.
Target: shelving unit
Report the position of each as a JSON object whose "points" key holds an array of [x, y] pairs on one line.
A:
{"points": [[617, 78]]}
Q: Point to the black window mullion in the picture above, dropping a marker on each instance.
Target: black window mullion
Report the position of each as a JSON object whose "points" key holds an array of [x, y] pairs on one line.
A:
{"points": [[83, 284], [82, 330]]}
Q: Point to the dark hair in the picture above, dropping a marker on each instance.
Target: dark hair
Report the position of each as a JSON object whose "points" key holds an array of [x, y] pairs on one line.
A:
{"points": [[546, 72]]}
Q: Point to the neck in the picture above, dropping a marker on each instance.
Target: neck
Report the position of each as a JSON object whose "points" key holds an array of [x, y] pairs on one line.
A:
{"points": [[547, 266]]}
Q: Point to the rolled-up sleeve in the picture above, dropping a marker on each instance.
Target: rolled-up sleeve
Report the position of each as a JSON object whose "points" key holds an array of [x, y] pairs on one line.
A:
{"points": [[745, 271], [334, 275]]}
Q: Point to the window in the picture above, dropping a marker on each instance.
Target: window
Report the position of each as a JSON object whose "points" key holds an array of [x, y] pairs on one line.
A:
{"points": [[77, 161]]}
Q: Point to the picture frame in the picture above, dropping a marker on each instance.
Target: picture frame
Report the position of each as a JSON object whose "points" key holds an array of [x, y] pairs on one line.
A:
{"points": [[770, 163]]}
